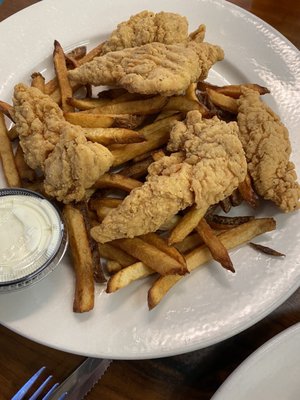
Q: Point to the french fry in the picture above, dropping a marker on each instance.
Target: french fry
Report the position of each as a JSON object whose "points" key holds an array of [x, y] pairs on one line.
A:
{"points": [[191, 92], [94, 105], [247, 192], [87, 104], [235, 198], [71, 63], [129, 151], [170, 224], [138, 169], [74, 54], [186, 225], [189, 243], [117, 181], [12, 133], [111, 252], [107, 136], [221, 100], [38, 81], [161, 244], [233, 90], [7, 110], [111, 93], [37, 186], [221, 222], [89, 120], [139, 107], [104, 121], [127, 275], [226, 204], [88, 221], [165, 114], [102, 212], [51, 87], [113, 266], [184, 104], [104, 202], [266, 250], [66, 90], [24, 171], [77, 53], [216, 247], [142, 156], [151, 256], [95, 52], [82, 259], [230, 239], [7, 157], [162, 124]]}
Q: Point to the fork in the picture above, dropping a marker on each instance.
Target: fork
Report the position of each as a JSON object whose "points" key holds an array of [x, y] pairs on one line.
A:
{"points": [[29, 384]]}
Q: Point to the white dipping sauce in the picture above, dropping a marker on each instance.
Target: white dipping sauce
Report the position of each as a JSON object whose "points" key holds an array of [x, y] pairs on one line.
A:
{"points": [[30, 235]]}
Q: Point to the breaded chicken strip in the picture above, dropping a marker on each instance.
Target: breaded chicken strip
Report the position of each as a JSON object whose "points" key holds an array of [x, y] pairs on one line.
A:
{"points": [[154, 68], [38, 122], [268, 149], [147, 27], [74, 165], [70, 163], [209, 165]]}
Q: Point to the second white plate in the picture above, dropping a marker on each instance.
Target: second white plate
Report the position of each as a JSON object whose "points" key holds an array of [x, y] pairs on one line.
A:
{"points": [[270, 373]]}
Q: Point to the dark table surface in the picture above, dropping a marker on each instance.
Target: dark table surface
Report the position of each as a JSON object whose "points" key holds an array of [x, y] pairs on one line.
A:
{"points": [[195, 375]]}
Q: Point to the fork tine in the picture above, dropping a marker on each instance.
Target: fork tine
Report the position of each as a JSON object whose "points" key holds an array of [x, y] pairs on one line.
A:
{"points": [[40, 388], [47, 396], [24, 389]]}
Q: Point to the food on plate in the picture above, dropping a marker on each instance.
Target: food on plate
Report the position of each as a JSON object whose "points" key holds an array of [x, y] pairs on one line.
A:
{"points": [[215, 245], [266, 250], [147, 27], [60, 66], [187, 224], [38, 120], [152, 68], [152, 256], [74, 165], [208, 163], [70, 162], [7, 157], [145, 169], [230, 239], [38, 81], [233, 91], [82, 259], [268, 149]]}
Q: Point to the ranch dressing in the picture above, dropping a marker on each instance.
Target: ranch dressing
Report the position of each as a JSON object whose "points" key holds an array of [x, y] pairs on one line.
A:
{"points": [[31, 234]]}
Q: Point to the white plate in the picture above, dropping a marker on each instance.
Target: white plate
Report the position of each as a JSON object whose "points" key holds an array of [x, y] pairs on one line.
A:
{"points": [[210, 304], [270, 373]]}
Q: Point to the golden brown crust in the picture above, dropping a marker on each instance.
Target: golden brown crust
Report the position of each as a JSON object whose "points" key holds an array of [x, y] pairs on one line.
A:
{"points": [[268, 149]]}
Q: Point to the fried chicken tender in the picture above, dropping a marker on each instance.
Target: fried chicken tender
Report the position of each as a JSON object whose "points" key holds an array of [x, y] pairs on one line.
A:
{"points": [[38, 121], [268, 149], [74, 165], [71, 164], [154, 68], [147, 27], [208, 165]]}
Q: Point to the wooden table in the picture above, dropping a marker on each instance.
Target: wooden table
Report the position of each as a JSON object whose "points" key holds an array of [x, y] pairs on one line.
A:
{"points": [[196, 375]]}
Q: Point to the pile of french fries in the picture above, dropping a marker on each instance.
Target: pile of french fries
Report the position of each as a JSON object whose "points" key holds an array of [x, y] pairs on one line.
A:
{"points": [[136, 130]]}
